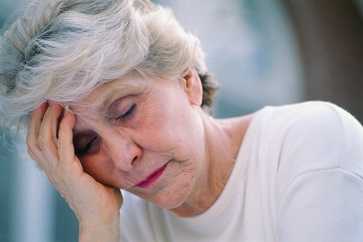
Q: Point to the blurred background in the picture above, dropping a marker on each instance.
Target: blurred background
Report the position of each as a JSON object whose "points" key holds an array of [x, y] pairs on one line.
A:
{"points": [[262, 52]]}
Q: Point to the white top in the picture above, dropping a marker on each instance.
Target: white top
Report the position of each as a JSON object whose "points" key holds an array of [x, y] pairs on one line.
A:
{"points": [[298, 177]]}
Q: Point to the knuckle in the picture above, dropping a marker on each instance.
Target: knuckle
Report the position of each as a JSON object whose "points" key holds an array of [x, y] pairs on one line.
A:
{"points": [[42, 142], [39, 164], [29, 140], [32, 148], [31, 154], [30, 144], [51, 179]]}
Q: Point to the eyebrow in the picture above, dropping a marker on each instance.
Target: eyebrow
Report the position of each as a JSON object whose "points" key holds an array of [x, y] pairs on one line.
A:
{"points": [[104, 103], [114, 95], [120, 90]]}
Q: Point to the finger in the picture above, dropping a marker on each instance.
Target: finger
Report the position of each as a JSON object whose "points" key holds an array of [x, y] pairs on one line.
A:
{"points": [[36, 118], [65, 139], [55, 116], [37, 158], [47, 134], [33, 130]]}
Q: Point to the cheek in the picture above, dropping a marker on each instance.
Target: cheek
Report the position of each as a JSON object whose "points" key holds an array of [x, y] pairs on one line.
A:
{"points": [[177, 185], [181, 183], [100, 169], [165, 127]]}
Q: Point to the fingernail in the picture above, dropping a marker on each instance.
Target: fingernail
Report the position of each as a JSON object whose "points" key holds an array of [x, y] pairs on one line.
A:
{"points": [[68, 112], [51, 103], [42, 105]]}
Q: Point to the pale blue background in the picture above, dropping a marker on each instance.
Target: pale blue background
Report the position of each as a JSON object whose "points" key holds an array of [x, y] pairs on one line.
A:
{"points": [[251, 50]]}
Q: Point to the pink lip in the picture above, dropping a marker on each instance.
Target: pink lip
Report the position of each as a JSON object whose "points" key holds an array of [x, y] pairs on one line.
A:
{"points": [[152, 178]]}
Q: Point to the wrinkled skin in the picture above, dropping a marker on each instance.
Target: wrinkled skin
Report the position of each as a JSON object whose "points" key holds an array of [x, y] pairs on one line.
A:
{"points": [[103, 146]]}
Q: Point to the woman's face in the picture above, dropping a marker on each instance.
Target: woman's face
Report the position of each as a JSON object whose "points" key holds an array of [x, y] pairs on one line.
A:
{"points": [[144, 136]]}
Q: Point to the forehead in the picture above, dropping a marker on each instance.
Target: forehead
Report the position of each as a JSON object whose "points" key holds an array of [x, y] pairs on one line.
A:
{"points": [[101, 94], [100, 99]]}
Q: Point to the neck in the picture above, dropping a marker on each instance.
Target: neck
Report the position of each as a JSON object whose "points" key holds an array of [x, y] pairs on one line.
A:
{"points": [[223, 139]]}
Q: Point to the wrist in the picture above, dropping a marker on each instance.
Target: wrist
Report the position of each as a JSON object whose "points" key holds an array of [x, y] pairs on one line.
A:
{"points": [[90, 222], [91, 230]]}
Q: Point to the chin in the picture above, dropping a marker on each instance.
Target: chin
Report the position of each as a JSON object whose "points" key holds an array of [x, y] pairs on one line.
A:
{"points": [[168, 203], [172, 199]]}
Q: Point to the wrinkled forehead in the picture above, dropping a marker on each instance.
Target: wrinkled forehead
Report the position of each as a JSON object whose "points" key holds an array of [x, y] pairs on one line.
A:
{"points": [[98, 102]]}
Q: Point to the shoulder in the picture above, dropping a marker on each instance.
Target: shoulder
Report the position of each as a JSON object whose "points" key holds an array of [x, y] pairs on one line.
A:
{"points": [[313, 136], [305, 117], [320, 172], [311, 130]]}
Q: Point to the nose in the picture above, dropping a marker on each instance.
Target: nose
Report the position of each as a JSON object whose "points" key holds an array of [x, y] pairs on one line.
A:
{"points": [[121, 149]]}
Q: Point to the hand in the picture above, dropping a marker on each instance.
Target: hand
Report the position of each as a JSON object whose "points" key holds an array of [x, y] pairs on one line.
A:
{"points": [[50, 144]]}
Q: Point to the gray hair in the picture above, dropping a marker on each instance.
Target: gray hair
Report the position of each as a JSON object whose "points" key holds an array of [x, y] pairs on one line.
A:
{"points": [[61, 50]]}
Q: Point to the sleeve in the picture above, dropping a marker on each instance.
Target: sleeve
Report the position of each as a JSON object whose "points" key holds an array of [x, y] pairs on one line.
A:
{"points": [[322, 206]]}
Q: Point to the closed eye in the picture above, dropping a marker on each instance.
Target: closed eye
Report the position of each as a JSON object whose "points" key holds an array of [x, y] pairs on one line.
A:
{"points": [[128, 114], [85, 146]]}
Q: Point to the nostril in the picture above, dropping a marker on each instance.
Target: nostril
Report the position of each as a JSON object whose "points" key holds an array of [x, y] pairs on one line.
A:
{"points": [[134, 159]]}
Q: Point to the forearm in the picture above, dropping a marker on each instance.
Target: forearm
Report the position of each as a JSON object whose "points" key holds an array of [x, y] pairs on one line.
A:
{"points": [[105, 232]]}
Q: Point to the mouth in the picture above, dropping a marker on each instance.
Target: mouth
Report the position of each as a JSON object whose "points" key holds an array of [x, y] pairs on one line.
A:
{"points": [[152, 178]]}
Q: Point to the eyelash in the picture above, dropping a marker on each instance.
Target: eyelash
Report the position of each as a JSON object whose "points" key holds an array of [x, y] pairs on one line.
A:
{"points": [[122, 117], [127, 114], [84, 150]]}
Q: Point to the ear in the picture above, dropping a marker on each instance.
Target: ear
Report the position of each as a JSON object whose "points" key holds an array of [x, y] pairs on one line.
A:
{"points": [[192, 86]]}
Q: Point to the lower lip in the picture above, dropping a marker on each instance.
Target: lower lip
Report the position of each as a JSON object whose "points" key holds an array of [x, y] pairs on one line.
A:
{"points": [[152, 178]]}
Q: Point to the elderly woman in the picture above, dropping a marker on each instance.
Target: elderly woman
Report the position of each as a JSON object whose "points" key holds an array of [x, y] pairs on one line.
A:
{"points": [[116, 96]]}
